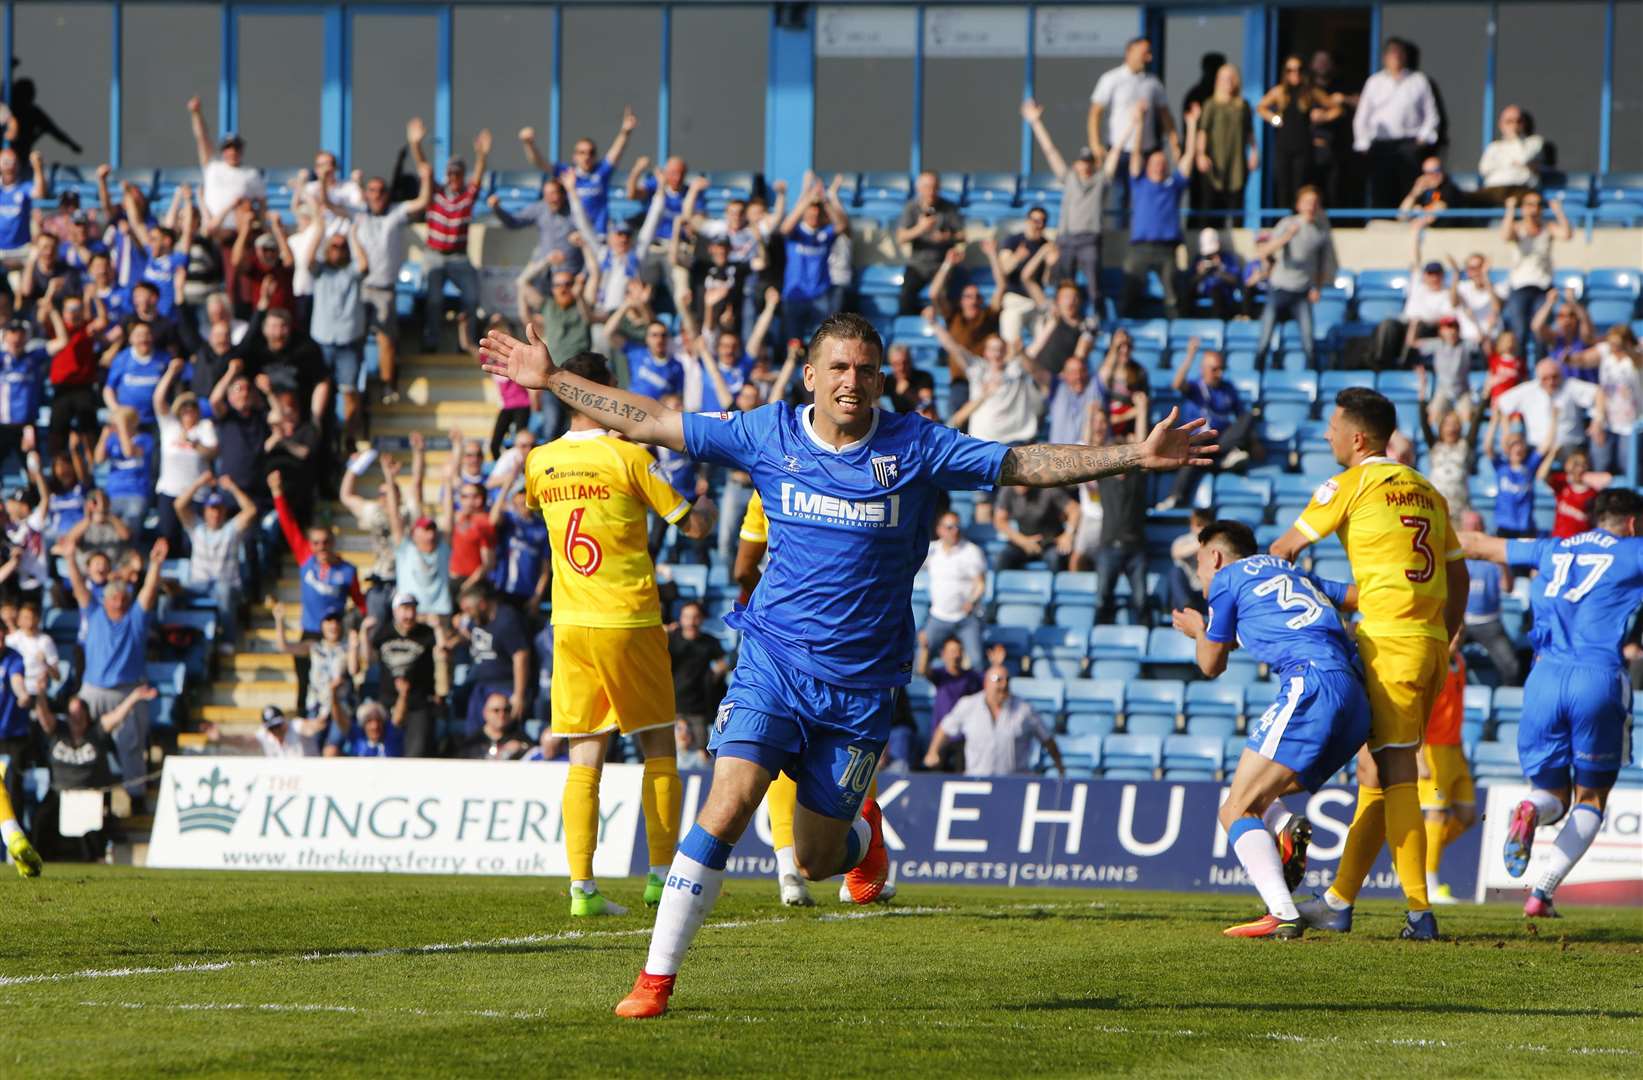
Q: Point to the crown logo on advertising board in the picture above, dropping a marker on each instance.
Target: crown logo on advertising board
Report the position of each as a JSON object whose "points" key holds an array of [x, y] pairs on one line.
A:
{"points": [[209, 803]]}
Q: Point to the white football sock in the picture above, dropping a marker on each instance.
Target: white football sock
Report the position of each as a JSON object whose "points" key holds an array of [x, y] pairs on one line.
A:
{"points": [[855, 847], [690, 893], [8, 827], [1276, 817], [1548, 806], [1258, 853], [659, 871], [785, 863], [1335, 903], [1572, 841], [588, 887], [1432, 884]]}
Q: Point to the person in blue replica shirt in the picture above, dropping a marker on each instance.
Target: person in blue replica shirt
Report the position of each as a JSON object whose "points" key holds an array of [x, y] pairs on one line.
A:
{"points": [[1213, 397], [370, 732], [592, 173], [135, 372], [521, 572], [654, 368], [161, 250], [816, 220], [1577, 701], [17, 195], [22, 380], [828, 635], [102, 284], [643, 185], [1516, 467], [1287, 620]]}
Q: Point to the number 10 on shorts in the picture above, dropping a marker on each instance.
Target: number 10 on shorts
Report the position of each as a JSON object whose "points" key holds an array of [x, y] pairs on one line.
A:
{"points": [[859, 772]]}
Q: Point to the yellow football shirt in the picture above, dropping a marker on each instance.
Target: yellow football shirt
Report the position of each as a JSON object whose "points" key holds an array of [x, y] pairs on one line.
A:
{"points": [[1395, 528], [755, 523], [594, 490]]}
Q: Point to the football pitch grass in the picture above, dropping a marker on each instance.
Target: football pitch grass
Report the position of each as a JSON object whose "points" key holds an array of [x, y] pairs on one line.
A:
{"points": [[114, 971]]}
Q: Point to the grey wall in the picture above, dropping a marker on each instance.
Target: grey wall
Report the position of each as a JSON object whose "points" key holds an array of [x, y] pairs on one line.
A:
{"points": [[1550, 62], [1187, 37], [159, 78], [720, 64], [1456, 72], [1063, 85], [612, 57], [503, 69], [864, 113], [1626, 145], [396, 67], [69, 53], [282, 67], [972, 113]]}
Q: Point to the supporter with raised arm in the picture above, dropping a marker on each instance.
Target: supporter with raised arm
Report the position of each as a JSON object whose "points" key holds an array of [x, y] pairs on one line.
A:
{"points": [[1563, 330], [329, 581], [17, 196], [369, 732], [928, 227], [214, 546], [411, 653], [330, 659], [450, 212], [592, 173], [557, 241], [808, 233], [260, 259], [744, 240], [129, 455], [227, 180], [1217, 400], [619, 257], [1557, 411], [1396, 120], [422, 560], [339, 319], [1084, 186], [970, 321], [1159, 180], [1530, 236], [78, 748], [75, 330], [115, 627], [1516, 468], [187, 445], [380, 231], [1303, 252]]}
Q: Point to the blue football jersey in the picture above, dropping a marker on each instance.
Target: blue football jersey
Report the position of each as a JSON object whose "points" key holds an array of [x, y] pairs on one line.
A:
{"points": [[1284, 616], [849, 528], [1589, 586]]}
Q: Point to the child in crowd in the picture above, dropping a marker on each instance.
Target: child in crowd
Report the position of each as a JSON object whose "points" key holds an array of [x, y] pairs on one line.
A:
{"points": [[1516, 467], [1575, 487]]}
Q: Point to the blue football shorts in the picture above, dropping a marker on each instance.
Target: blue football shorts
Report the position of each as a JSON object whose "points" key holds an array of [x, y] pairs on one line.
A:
{"points": [[1576, 719], [828, 739], [1315, 725]]}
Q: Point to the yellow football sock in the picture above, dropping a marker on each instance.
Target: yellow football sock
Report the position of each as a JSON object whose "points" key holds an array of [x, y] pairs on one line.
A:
{"points": [[780, 801], [6, 812], [1363, 842], [662, 795], [1437, 835], [1407, 839], [581, 815]]}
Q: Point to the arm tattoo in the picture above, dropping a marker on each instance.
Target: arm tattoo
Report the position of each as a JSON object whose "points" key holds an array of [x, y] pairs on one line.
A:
{"points": [[585, 398], [1056, 465]]}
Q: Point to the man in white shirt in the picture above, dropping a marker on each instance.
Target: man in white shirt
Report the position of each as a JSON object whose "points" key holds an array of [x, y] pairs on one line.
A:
{"points": [[1113, 100], [1511, 164], [1397, 119], [958, 580], [226, 179], [1005, 400], [1550, 396], [1428, 302], [997, 729], [1477, 301]]}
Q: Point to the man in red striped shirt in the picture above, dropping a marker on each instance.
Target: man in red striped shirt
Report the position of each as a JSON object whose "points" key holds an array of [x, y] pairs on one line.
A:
{"points": [[446, 255]]}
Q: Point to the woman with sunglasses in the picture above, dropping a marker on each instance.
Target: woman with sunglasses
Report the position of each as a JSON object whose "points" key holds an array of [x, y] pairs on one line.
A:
{"points": [[1289, 108]]}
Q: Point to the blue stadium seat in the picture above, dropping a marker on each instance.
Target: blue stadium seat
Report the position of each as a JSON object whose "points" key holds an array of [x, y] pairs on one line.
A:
{"points": [[1258, 697], [1080, 753], [1026, 616], [1044, 695], [1218, 726], [1079, 617], [884, 188], [1162, 698], [1149, 724], [1621, 283], [1478, 704], [1242, 669], [691, 580], [1609, 311], [726, 184], [1075, 587], [1566, 279], [991, 187], [1290, 386], [1508, 704], [1132, 757], [1051, 667], [1209, 332], [144, 180], [1166, 645], [1192, 757], [1400, 386], [1376, 307], [1023, 587], [1121, 670], [1496, 761], [1118, 642], [1289, 415], [882, 277], [1319, 465], [1216, 698], [1017, 641], [1059, 643], [1506, 732], [1093, 704], [1043, 188], [1242, 492], [1394, 282]]}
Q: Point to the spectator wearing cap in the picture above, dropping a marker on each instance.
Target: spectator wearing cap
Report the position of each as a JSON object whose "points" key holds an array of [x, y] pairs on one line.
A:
{"points": [[1429, 299], [998, 731], [17, 195], [618, 256], [1217, 277], [77, 748], [928, 228], [279, 737], [1511, 163], [214, 540], [499, 654], [410, 653], [188, 443], [261, 264], [450, 212], [1083, 195], [1449, 359], [496, 738], [115, 626], [1432, 193], [1396, 121], [367, 732], [226, 180], [1302, 251], [422, 564], [330, 665]]}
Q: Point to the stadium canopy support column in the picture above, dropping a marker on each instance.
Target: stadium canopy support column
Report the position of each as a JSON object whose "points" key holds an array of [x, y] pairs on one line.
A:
{"points": [[790, 94], [116, 32], [1260, 28], [335, 118]]}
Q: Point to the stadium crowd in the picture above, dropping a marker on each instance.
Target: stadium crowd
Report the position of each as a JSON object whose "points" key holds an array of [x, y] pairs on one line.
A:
{"points": [[210, 357]]}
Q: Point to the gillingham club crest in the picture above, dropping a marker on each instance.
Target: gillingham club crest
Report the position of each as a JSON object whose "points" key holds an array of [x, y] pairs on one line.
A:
{"points": [[886, 470]]}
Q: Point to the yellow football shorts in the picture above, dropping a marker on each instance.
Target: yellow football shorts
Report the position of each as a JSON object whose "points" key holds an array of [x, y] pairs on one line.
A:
{"points": [[1403, 676], [1451, 781], [611, 679]]}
